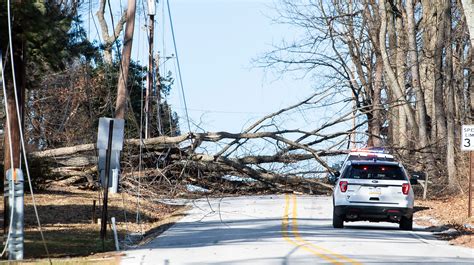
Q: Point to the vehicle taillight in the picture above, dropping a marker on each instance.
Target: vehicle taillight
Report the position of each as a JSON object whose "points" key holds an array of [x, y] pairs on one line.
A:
{"points": [[343, 186], [405, 188]]}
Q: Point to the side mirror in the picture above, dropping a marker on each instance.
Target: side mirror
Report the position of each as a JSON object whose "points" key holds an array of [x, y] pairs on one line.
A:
{"points": [[332, 177], [413, 181], [418, 175]]}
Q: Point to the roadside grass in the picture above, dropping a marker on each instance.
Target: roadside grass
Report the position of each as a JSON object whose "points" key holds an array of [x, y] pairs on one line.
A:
{"points": [[66, 215], [67, 241]]}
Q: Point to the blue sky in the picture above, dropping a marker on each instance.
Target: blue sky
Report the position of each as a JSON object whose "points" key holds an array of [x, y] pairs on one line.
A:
{"points": [[217, 40]]}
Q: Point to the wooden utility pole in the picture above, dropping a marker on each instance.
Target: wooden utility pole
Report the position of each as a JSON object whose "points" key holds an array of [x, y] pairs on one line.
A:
{"points": [[121, 103], [12, 124], [149, 86], [158, 96]]}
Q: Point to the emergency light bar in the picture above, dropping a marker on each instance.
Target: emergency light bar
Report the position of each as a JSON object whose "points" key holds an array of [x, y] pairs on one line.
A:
{"points": [[377, 150]]}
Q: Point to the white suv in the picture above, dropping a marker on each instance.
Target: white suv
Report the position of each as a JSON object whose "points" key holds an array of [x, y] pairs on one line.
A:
{"points": [[373, 190]]}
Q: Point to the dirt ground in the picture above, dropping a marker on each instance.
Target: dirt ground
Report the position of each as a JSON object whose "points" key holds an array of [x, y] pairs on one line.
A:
{"points": [[448, 218]]}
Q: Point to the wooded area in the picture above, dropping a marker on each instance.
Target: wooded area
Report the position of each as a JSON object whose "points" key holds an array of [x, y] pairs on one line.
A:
{"points": [[398, 75], [408, 65]]}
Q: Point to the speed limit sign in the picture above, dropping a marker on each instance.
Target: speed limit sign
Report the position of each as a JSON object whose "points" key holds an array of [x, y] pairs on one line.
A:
{"points": [[467, 142]]}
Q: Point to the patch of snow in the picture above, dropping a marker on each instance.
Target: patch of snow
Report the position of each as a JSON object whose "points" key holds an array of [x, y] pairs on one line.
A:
{"points": [[236, 178], [194, 188]]}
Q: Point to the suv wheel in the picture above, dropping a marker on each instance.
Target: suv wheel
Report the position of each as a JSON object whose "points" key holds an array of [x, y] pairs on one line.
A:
{"points": [[406, 223], [337, 221]]}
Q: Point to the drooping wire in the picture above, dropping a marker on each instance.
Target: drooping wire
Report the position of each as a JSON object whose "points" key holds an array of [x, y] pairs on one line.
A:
{"points": [[179, 66], [22, 140], [163, 68], [163, 35]]}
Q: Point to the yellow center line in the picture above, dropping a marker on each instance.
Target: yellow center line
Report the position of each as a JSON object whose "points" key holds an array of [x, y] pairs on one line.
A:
{"points": [[300, 242], [285, 229]]}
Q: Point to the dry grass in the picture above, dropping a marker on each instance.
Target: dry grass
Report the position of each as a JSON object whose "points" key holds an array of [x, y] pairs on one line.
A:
{"points": [[449, 212]]}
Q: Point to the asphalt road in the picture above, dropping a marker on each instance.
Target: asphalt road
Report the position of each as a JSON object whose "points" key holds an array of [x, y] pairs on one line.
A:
{"points": [[288, 230]]}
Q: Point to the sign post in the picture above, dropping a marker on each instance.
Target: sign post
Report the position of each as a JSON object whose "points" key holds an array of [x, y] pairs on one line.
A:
{"points": [[469, 211], [467, 144], [109, 143], [115, 134]]}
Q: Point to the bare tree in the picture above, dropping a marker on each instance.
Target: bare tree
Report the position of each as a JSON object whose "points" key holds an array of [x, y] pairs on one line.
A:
{"points": [[450, 107], [109, 39], [415, 74], [411, 89]]}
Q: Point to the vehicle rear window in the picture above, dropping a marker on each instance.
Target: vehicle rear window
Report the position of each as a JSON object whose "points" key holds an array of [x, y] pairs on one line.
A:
{"points": [[382, 172]]}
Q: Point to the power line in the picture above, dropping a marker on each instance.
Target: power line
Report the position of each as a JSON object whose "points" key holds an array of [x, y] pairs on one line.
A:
{"points": [[178, 64]]}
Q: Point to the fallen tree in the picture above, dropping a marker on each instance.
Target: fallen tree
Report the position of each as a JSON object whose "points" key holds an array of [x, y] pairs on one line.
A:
{"points": [[269, 158]]}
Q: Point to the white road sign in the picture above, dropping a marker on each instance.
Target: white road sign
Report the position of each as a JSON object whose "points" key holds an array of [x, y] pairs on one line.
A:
{"points": [[467, 141], [117, 134]]}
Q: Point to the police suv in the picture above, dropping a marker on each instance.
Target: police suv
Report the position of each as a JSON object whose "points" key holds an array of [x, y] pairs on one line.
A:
{"points": [[371, 186]]}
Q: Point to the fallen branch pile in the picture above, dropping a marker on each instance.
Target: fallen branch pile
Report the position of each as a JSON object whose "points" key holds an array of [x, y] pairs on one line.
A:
{"points": [[261, 159]]}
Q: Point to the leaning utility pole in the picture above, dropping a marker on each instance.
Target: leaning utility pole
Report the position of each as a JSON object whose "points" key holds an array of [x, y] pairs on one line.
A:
{"points": [[149, 87], [121, 103]]}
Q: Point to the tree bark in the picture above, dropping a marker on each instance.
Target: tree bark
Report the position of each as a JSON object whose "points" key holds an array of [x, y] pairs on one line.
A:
{"points": [[376, 104], [415, 75], [427, 71], [450, 105], [402, 133], [122, 95], [390, 74], [393, 110], [461, 104], [439, 103]]}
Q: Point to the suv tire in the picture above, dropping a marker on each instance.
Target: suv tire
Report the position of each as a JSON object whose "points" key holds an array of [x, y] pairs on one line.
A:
{"points": [[337, 221], [406, 223]]}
